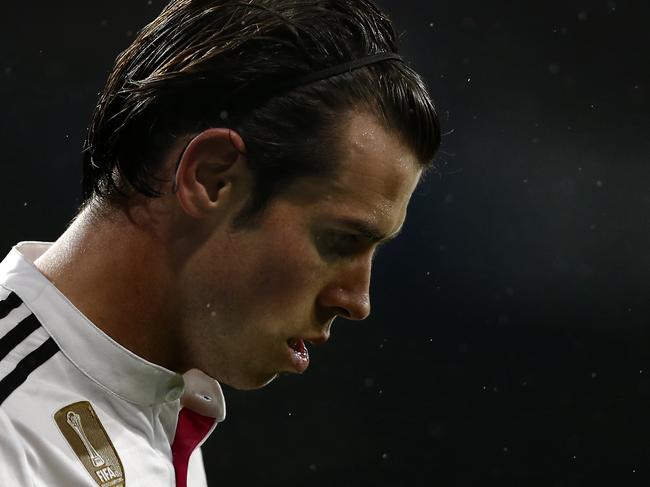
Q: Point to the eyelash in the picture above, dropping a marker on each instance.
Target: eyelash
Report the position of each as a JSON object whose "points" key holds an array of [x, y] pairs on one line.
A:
{"points": [[343, 244]]}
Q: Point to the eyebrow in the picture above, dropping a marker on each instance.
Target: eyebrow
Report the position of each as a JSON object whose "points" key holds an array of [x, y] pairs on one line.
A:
{"points": [[368, 230]]}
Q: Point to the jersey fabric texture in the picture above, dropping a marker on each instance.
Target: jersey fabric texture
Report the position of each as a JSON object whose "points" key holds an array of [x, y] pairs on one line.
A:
{"points": [[78, 409]]}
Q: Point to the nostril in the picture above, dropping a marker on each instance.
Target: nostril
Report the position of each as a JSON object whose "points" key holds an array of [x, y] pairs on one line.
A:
{"points": [[344, 313]]}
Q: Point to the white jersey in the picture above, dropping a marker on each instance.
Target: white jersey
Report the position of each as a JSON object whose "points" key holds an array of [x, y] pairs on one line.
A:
{"points": [[76, 408]]}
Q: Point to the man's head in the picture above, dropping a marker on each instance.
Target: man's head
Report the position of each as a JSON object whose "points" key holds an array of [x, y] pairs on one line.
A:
{"points": [[277, 199]]}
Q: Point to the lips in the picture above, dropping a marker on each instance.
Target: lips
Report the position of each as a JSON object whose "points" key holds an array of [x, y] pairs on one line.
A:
{"points": [[299, 354]]}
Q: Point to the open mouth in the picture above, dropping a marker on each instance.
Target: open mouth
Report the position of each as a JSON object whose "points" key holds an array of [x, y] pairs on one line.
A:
{"points": [[299, 354], [299, 346]]}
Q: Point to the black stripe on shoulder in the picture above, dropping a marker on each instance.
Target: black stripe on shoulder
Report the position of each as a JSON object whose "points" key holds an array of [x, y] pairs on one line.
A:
{"points": [[26, 366], [17, 334], [10, 302]]}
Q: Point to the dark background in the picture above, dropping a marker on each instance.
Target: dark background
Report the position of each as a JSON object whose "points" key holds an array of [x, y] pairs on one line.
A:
{"points": [[509, 341]]}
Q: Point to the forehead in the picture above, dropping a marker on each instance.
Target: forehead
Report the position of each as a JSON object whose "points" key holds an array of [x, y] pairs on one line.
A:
{"points": [[374, 158], [374, 178]]}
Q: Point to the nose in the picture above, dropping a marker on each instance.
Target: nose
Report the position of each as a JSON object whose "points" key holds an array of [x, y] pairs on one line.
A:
{"points": [[348, 294]]}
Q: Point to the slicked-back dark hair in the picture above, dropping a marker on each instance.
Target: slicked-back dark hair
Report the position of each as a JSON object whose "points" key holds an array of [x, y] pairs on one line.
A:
{"points": [[214, 63]]}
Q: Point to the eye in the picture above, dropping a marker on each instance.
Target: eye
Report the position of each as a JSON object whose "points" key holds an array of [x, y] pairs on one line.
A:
{"points": [[340, 244]]}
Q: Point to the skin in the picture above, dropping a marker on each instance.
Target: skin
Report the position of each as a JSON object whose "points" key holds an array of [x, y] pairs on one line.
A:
{"points": [[173, 281]]}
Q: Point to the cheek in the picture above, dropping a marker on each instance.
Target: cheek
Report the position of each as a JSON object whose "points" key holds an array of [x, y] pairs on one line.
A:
{"points": [[285, 274]]}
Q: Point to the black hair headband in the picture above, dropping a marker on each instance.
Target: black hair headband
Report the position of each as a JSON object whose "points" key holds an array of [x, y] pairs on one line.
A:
{"points": [[342, 68]]}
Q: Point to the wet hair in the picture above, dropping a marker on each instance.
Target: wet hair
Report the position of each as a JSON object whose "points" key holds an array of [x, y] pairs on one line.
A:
{"points": [[215, 63]]}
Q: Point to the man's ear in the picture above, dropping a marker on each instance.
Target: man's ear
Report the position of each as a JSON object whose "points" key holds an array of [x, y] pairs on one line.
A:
{"points": [[209, 166]]}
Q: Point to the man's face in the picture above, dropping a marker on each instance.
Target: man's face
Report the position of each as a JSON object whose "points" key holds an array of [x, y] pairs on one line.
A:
{"points": [[261, 294]]}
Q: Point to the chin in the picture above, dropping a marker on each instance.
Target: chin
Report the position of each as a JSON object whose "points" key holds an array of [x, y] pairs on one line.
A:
{"points": [[250, 384]]}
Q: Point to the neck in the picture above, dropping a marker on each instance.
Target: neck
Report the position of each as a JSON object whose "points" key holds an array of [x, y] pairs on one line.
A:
{"points": [[120, 277]]}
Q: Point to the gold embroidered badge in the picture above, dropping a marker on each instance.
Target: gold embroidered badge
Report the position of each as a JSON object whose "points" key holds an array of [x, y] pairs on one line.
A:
{"points": [[87, 437]]}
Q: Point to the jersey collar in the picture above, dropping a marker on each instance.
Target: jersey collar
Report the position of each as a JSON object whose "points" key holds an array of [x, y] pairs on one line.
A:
{"points": [[94, 353]]}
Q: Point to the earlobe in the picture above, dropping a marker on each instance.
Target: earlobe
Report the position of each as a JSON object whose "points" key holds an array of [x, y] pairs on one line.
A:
{"points": [[208, 167]]}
